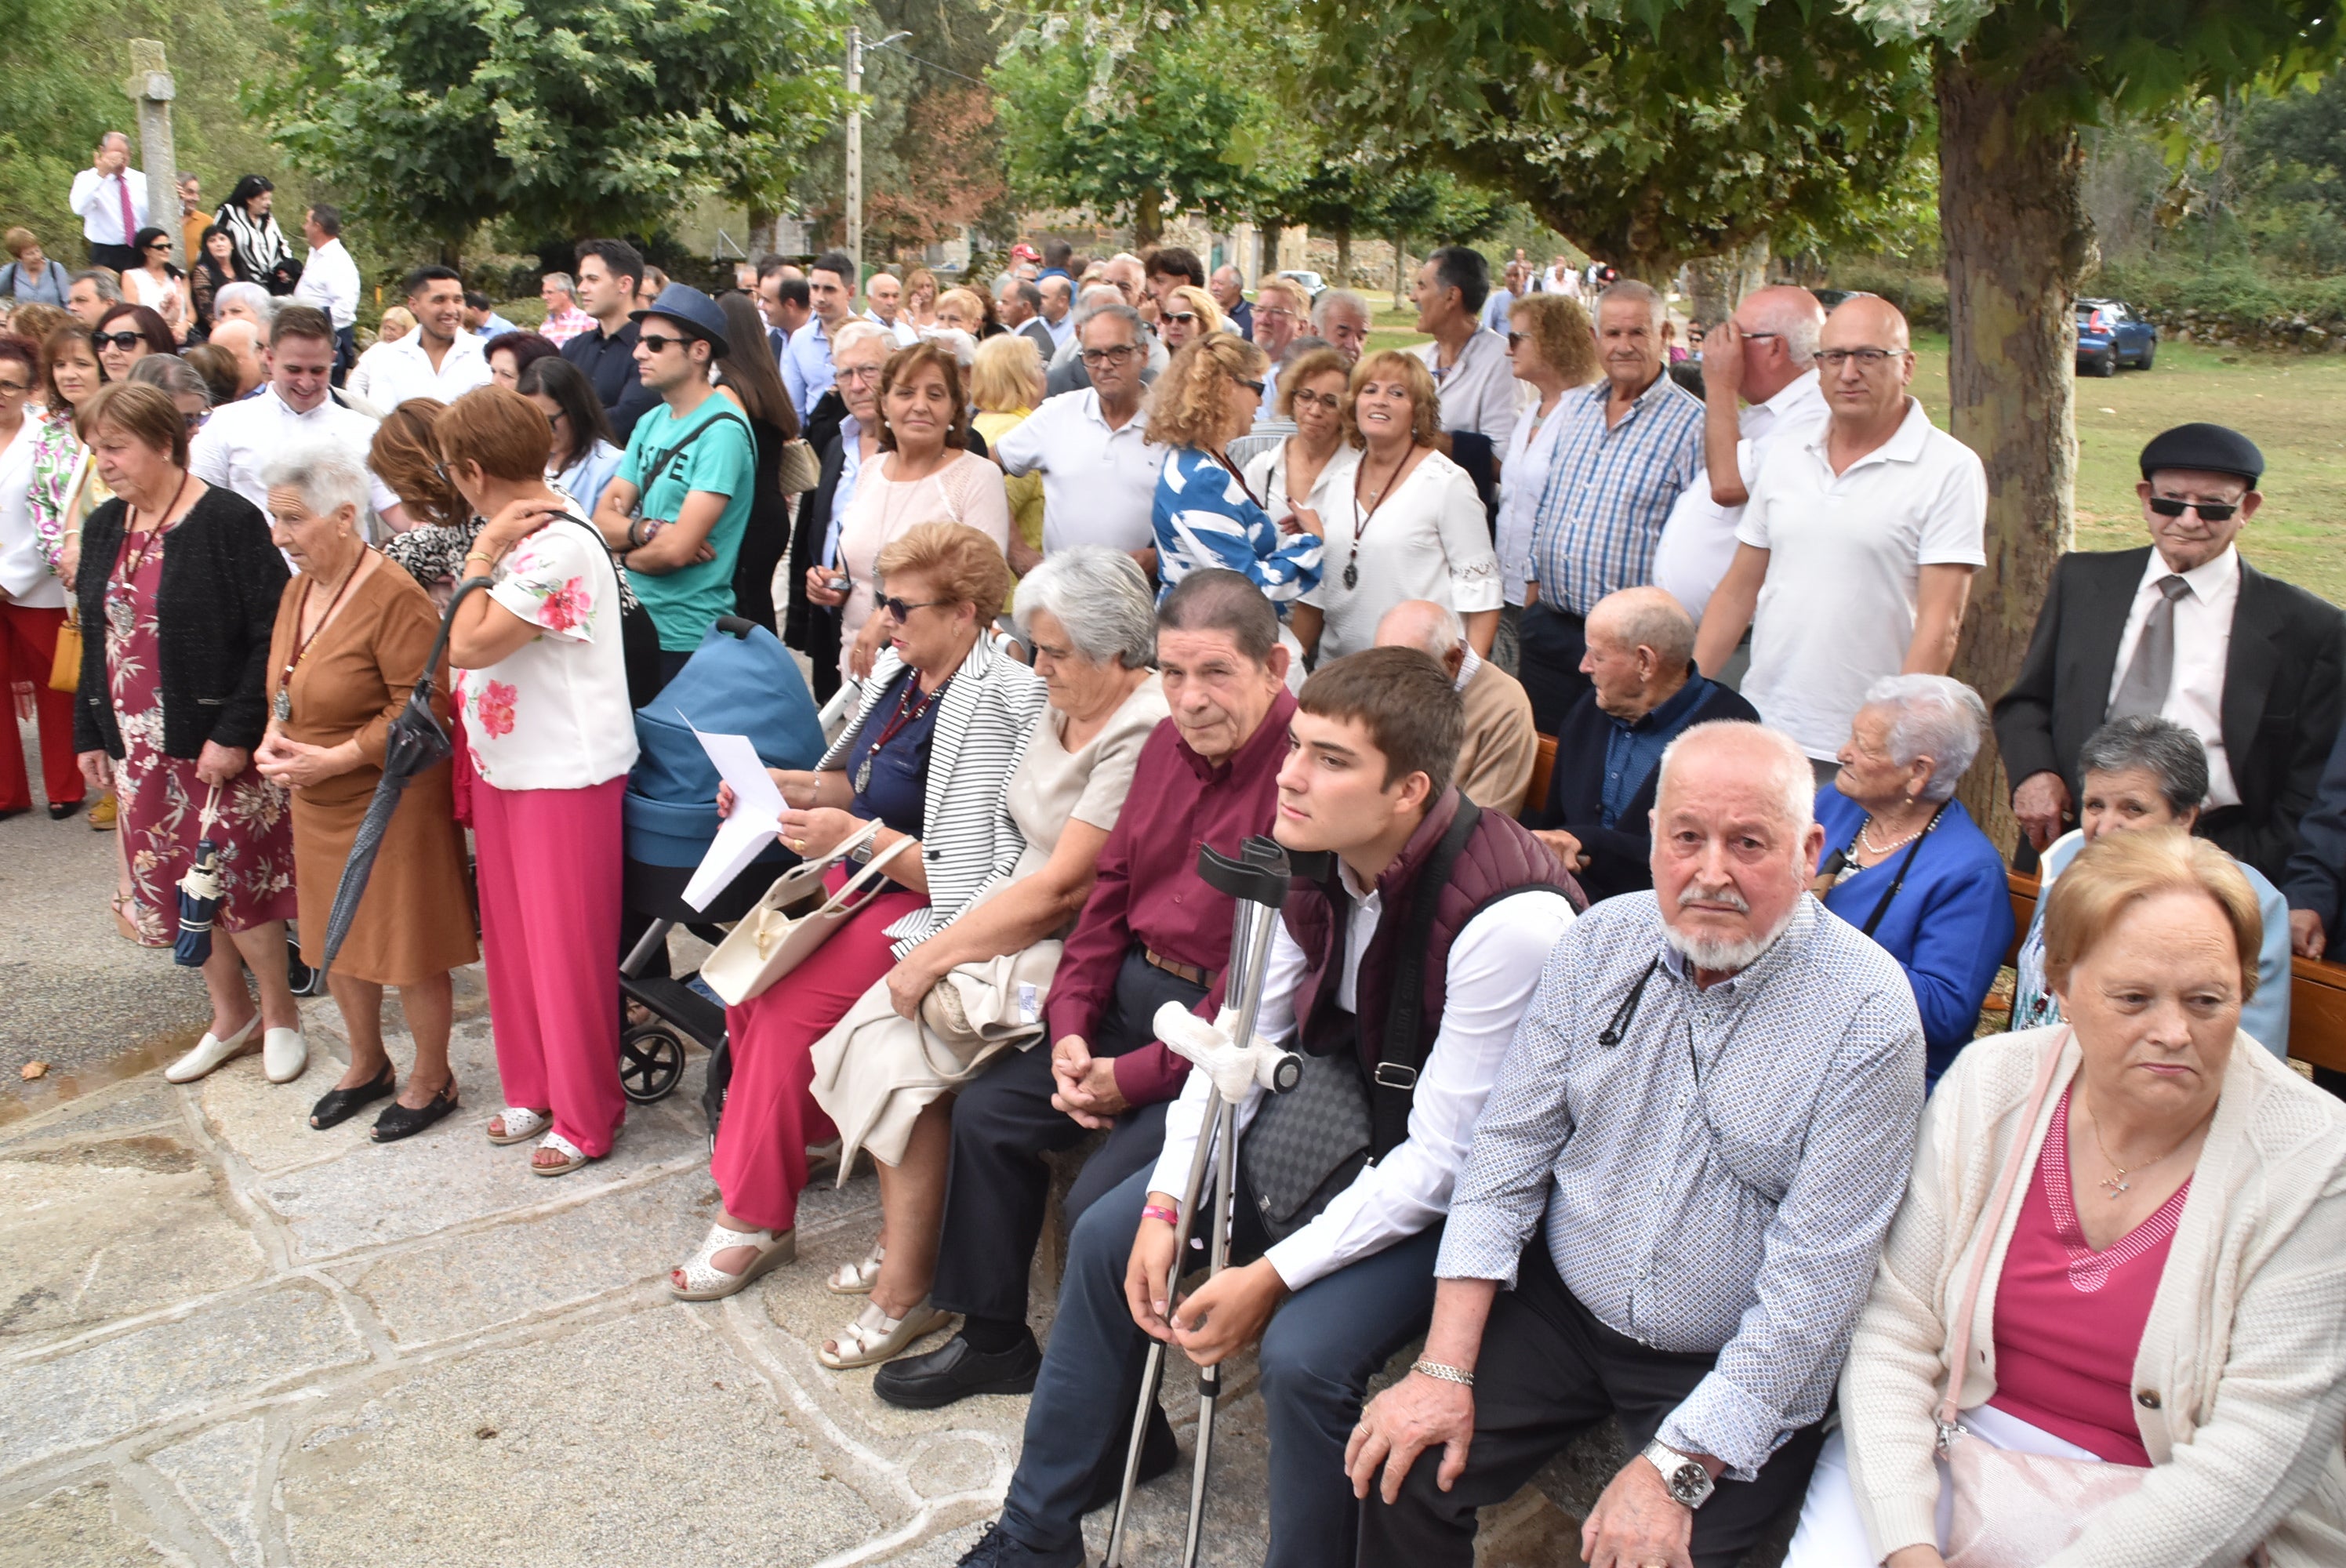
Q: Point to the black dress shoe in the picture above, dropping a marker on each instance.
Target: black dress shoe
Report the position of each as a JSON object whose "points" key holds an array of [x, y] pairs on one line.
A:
{"points": [[336, 1106], [399, 1121], [1159, 1453], [59, 811], [995, 1548], [956, 1371]]}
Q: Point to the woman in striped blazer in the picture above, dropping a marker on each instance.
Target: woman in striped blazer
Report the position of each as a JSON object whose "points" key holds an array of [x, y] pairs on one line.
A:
{"points": [[944, 720]]}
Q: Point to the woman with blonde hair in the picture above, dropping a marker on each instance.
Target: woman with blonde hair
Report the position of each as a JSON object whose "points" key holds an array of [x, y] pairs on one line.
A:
{"points": [[397, 322], [921, 298], [1412, 525], [1553, 349], [1206, 514], [1005, 385], [1187, 315]]}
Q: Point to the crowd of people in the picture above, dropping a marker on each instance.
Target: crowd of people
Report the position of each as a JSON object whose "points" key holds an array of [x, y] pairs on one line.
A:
{"points": [[1658, 1092]]}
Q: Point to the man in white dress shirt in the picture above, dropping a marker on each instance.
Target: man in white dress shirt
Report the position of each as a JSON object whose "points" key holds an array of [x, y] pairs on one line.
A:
{"points": [[1766, 355], [884, 293], [439, 359], [109, 197], [330, 281], [1470, 369], [1099, 472], [1058, 311], [298, 405], [1393, 868]]}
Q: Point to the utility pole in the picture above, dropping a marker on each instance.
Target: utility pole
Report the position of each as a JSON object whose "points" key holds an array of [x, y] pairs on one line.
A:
{"points": [[149, 86], [855, 155]]}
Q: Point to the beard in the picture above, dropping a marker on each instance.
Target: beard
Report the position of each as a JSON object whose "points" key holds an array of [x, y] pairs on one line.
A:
{"points": [[1722, 955]]}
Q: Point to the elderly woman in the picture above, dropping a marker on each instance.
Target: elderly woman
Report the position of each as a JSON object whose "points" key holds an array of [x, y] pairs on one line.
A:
{"points": [[353, 634], [2124, 1233], [1005, 385], [884, 1081], [929, 757], [2150, 772], [1410, 525], [182, 382], [32, 599], [1552, 350], [178, 587], [542, 684], [127, 333], [405, 454], [261, 247], [510, 353], [844, 430], [1905, 862], [1206, 514], [248, 302], [924, 473]]}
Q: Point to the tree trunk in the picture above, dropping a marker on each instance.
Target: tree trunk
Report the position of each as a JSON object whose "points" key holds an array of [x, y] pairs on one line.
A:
{"points": [[1344, 257], [1716, 283], [1148, 219], [1401, 272], [2017, 238]]}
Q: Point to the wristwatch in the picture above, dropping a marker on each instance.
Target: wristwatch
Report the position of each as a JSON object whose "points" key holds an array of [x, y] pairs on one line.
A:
{"points": [[1690, 1485], [861, 852]]}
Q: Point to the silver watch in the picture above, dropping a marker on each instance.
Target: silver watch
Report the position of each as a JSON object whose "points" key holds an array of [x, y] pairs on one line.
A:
{"points": [[1690, 1482], [861, 852]]}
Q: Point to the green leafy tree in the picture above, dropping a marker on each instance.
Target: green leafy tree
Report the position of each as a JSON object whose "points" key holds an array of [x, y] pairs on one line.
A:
{"points": [[555, 116]]}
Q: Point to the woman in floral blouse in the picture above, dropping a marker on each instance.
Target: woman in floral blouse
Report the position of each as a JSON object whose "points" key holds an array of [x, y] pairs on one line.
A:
{"points": [[543, 687]]}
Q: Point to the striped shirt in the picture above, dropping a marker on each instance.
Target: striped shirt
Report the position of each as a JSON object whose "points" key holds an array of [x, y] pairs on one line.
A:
{"points": [[1205, 517], [1610, 490], [1719, 1181]]}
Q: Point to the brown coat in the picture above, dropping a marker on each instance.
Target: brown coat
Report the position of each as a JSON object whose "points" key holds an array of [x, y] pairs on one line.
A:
{"points": [[1494, 764]]}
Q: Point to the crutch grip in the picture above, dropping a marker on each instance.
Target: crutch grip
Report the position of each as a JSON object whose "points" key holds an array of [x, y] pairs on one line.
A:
{"points": [[1234, 1070]]}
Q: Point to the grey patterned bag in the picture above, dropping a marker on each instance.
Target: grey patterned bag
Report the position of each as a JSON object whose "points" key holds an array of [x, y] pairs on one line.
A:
{"points": [[1305, 1146]]}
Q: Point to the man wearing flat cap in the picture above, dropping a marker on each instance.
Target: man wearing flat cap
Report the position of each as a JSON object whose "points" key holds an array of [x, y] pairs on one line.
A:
{"points": [[677, 508], [2186, 630]]}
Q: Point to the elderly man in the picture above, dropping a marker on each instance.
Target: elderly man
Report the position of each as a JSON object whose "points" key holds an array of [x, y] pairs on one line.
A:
{"points": [[1020, 304], [563, 319], [1713, 1101], [1856, 551], [2187, 629], [1469, 360], [883, 297], [1496, 759], [109, 197], [1058, 311], [1341, 317], [1765, 355], [241, 341], [240, 440], [1091, 447], [1643, 693], [1069, 370], [1331, 1287], [1228, 287], [1150, 932], [806, 363], [438, 360], [1499, 310], [89, 295], [609, 273], [1631, 446]]}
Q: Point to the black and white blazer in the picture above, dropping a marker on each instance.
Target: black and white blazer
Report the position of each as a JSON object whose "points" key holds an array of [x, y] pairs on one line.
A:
{"points": [[969, 842]]}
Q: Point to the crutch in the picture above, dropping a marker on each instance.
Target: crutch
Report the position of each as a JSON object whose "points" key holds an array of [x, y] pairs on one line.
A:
{"points": [[1257, 882]]}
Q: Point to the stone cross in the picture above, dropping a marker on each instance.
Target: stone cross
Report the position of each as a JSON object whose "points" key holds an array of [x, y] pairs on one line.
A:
{"points": [[149, 86]]}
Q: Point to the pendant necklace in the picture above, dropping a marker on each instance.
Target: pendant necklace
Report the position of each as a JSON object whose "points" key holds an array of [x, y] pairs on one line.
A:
{"points": [[283, 706], [1360, 521], [906, 714], [121, 597], [2117, 1185]]}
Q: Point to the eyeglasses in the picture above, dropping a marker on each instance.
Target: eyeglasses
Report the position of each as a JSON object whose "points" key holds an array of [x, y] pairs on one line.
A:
{"points": [[2209, 511], [659, 345], [1254, 387], [1864, 359], [1115, 356], [1277, 312], [1328, 401], [119, 340], [15, 389], [901, 610], [858, 373]]}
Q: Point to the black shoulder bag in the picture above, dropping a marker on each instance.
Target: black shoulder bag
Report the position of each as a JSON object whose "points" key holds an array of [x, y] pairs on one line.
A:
{"points": [[639, 648]]}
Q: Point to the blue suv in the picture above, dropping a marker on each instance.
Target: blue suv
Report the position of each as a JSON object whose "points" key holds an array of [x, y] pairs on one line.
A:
{"points": [[2111, 334]]}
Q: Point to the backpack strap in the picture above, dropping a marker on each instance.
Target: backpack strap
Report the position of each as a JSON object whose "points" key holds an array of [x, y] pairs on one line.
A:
{"points": [[1393, 1083]]}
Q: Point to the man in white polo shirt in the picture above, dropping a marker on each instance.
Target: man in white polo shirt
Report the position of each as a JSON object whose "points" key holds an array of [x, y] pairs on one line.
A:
{"points": [[1099, 473], [1856, 551], [439, 359], [296, 406]]}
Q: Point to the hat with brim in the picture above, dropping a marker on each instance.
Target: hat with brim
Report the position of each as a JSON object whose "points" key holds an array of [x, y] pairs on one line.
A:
{"points": [[2204, 449], [690, 309]]}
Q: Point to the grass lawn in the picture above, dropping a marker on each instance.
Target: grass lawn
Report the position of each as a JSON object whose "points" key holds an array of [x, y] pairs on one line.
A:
{"points": [[2293, 406]]}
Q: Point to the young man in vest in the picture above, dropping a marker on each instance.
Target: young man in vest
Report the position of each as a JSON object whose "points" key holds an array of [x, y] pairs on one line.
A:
{"points": [[1394, 867]]}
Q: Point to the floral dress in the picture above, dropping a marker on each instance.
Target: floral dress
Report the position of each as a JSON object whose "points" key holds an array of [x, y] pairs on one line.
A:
{"points": [[56, 458], [162, 799]]}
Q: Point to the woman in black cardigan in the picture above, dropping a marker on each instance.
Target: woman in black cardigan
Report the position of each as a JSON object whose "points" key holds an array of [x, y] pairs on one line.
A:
{"points": [[178, 585]]}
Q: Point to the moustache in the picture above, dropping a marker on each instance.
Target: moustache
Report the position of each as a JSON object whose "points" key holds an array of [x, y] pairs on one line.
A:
{"points": [[1722, 893]]}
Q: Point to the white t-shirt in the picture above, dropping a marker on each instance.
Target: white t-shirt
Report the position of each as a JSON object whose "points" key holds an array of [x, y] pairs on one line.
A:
{"points": [[554, 713], [1845, 557], [1431, 539], [1099, 485], [1698, 543], [1478, 390]]}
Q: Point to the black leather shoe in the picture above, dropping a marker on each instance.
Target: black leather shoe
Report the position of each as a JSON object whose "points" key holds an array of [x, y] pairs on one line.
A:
{"points": [[60, 810], [399, 1121], [996, 1549], [1159, 1453], [956, 1371], [336, 1106]]}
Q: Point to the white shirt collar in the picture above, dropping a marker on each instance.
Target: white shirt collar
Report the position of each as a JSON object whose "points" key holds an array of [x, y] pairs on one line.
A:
{"points": [[2208, 579], [1806, 387], [1468, 670]]}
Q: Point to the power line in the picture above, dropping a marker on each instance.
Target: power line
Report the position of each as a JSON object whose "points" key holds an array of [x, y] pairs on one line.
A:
{"points": [[932, 65]]}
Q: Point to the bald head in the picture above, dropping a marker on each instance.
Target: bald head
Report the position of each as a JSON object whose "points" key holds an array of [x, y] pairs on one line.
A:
{"points": [[1640, 643], [1431, 629], [1780, 325], [1865, 363], [241, 339]]}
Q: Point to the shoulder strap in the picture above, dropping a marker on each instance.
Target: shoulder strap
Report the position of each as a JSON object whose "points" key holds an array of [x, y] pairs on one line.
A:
{"points": [[1904, 866], [668, 458], [1394, 1082]]}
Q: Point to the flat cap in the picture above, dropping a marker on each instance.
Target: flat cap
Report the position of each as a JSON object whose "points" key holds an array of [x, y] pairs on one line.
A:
{"points": [[2208, 448]]}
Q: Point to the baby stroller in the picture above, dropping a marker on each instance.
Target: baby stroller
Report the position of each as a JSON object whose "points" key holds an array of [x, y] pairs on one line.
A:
{"points": [[739, 681]]}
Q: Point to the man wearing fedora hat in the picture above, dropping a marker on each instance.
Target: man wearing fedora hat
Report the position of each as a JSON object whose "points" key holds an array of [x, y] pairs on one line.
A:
{"points": [[676, 509], [2186, 630]]}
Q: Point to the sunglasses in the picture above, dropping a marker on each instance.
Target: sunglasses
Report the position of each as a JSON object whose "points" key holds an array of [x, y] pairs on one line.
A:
{"points": [[902, 611], [119, 340], [1254, 387], [2209, 511], [659, 345], [1187, 318]]}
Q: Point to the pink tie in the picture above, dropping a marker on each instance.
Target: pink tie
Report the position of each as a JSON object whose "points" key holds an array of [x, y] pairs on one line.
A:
{"points": [[129, 224]]}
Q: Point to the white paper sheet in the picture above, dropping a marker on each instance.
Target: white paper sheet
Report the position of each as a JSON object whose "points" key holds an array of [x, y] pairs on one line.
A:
{"points": [[756, 821]]}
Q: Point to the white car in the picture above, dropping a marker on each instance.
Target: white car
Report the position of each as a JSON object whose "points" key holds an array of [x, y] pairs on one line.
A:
{"points": [[1313, 284]]}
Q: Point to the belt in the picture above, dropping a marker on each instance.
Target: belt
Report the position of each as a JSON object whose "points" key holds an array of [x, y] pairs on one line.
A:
{"points": [[1189, 972]]}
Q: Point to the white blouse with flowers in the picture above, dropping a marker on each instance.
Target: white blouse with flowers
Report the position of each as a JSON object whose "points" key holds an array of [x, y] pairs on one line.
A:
{"points": [[554, 713]]}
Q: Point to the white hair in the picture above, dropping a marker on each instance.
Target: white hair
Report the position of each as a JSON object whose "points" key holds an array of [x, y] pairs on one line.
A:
{"points": [[327, 475], [1796, 777], [1101, 598], [1645, 294], [1797, 326], [1933, 716], [1438, 624], [263, 303], [1796, 782], [857, 331], [1331, 301]]}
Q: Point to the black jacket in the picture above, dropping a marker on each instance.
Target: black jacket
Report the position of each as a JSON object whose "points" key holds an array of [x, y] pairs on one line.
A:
{"points": [[1619, 856], [216, 607], [2316, 871], [2280, 706], [610, 365]]}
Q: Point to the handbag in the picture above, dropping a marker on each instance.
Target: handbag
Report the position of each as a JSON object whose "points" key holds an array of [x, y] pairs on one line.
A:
{"points": [[801, 470], [769, 941], [64, 669]]}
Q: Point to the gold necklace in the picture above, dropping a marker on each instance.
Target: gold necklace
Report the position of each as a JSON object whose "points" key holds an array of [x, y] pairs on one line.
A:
{"points": [[2117, 1185]]}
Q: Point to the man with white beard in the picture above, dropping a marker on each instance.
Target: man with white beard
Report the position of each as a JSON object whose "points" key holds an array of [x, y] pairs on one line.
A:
{"points": [[1713, 1101]]}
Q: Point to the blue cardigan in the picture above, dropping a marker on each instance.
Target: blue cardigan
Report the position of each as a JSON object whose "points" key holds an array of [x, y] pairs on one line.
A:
{"points": [[1949, 926]]}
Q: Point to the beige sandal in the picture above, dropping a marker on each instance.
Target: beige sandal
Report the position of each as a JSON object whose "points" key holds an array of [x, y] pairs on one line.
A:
{"points": [[857, 1279], [699, 1279], [520, 1123], [873, 1335]]}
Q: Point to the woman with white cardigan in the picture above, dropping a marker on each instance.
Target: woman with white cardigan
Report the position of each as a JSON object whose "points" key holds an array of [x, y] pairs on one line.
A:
{"points": [[2127, 1229]]}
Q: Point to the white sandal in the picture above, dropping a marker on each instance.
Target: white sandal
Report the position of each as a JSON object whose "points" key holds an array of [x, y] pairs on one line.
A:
{"points": [[573, 1157], [704, 1281], [521, 1124], [873, 1335], [857, 1279]]}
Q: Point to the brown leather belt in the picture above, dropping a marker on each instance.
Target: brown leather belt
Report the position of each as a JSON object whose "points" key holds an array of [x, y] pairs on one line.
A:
{"points": [[1189, 972]]}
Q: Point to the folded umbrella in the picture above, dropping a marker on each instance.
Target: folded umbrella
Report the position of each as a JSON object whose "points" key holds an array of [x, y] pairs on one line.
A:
{"points": [[200, 893]]}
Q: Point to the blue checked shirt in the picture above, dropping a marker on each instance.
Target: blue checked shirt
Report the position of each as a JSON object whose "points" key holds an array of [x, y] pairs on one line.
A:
{"points": [[1610, 490], [1719, 1181]]}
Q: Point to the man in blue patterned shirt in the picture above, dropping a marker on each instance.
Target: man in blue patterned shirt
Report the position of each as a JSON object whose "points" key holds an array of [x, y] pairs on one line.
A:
{"points": [[1713, 1101], [1633, 442]]}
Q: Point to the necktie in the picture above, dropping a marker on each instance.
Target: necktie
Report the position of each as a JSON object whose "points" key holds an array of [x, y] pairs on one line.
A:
{"points": [[129, 224], [2143, 690]]}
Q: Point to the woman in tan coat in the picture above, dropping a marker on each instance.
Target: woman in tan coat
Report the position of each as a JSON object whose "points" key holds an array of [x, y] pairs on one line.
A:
{"points": [[352, 636]]}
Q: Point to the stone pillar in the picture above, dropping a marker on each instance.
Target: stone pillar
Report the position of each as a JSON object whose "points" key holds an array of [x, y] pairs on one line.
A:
{"points": [[1294, 250], [149, 86], [1246, 253]]}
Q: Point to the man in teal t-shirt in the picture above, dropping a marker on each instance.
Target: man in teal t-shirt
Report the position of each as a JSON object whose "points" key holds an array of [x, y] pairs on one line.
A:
{"points": [[692, 461]]}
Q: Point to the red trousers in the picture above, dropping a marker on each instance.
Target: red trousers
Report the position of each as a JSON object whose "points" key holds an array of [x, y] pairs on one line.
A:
{"points": [[28, 648], [760, 1163]]}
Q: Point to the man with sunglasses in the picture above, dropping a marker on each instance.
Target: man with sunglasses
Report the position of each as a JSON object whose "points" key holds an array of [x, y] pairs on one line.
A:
{"points": [[1854, 557], [2186, 630]]}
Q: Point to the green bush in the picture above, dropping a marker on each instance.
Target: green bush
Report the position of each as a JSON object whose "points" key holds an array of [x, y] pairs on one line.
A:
{"points": [[1923, 296], [2233, 296]]}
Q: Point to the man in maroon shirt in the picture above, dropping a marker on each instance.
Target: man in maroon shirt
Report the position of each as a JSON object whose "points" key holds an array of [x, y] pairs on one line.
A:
{"points": [[1150, 932]]}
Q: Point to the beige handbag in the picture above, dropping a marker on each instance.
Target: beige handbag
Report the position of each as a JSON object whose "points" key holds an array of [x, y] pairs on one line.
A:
{"points": [[802, 471], [769, 942]]}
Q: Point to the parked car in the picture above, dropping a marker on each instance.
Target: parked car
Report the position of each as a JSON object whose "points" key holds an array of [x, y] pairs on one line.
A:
{"points": [[1828, 298], [2111, 333], [1313, 284]]}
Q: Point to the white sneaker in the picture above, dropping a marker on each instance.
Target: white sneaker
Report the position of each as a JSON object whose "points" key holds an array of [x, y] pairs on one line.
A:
{"points": [[284, 1053], [210, 1051]]}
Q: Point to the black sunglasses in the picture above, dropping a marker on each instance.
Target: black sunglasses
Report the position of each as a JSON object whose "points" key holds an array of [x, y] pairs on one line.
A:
{"points": [[1254, 387], [659, 345], [2209, 511], [119, 340], [902, 611]]}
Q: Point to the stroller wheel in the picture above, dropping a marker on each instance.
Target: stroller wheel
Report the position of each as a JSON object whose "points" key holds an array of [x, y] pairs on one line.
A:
{"points": [[299, 978], [651, 1062]]}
